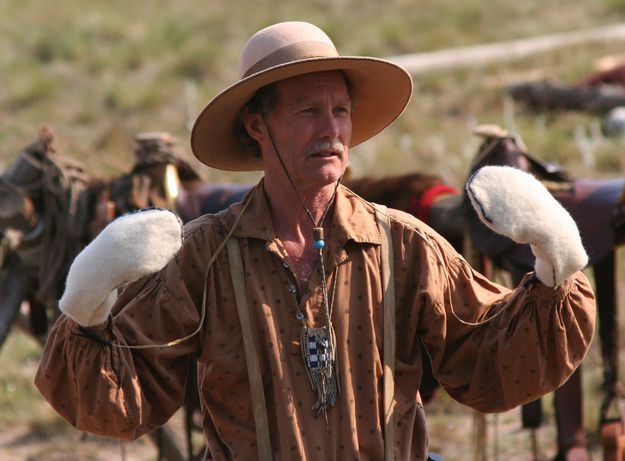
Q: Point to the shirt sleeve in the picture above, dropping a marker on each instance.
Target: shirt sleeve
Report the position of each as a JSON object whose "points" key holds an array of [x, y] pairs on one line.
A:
{"points": [[494, 349], [98, 385]]}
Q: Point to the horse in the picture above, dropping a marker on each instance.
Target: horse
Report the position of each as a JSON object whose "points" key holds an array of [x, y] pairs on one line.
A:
{"points": [[50, 209], [614, 75], [424, 195], [37, 196], [597, 207]]}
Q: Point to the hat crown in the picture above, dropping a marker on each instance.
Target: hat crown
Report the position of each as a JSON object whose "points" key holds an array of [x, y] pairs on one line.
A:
{"points": [[283, 43]]}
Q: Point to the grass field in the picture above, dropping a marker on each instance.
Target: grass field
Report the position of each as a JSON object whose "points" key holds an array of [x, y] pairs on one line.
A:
{"points": [[99, 72]]}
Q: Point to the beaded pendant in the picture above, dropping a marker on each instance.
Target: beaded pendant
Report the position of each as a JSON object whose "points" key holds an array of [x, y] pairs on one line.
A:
{"points": [[319, 356]]}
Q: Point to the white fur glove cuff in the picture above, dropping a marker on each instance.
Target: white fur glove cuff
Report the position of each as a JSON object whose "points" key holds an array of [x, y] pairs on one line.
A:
{"points": [[130, 247], [515, 204]]}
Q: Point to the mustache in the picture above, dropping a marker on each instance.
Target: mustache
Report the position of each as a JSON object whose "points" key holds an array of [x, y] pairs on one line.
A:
{"points": [[336, 147]]}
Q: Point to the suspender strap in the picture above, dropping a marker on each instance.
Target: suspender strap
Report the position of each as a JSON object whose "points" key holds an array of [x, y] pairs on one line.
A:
{"points": [[388, 277], [263, 439]]}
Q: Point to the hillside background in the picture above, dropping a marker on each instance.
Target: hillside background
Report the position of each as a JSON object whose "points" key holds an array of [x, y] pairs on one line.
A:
{"points": [[99, 72]]}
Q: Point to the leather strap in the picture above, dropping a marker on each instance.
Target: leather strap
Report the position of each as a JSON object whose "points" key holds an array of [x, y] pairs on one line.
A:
{"points": [[388, 277], [237, 274]]}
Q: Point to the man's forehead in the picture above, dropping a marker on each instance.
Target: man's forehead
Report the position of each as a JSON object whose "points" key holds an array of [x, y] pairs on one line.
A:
{"points": [[304, 83]]}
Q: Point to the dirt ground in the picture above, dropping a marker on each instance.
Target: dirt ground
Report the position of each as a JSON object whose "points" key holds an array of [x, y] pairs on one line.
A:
{"points": [[452, 435], [26, 442]]}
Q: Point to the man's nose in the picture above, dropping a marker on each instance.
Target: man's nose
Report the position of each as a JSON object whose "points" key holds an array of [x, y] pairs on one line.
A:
{"points": [[331, 125]]}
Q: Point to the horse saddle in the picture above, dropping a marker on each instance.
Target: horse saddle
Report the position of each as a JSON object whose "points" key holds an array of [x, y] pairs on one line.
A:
{"points": [[591, 203]]}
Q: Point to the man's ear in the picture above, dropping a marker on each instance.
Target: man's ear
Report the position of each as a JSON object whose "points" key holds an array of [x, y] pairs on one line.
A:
{"points": [[254, 125]]}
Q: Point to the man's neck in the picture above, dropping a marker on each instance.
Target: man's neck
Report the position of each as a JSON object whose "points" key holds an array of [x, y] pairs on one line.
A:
{"points": [[293, 225], [290, 209]]}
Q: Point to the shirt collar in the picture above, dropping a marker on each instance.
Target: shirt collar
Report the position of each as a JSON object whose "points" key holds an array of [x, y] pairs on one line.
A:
{"points": [[353, 218]]}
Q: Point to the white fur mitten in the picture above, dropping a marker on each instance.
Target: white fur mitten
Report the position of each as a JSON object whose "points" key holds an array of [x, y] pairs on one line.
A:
{"points": [[515, 204], [130, 247]]}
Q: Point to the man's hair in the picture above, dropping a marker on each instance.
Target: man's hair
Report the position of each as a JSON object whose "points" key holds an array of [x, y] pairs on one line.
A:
{"points": [[264, 101]]}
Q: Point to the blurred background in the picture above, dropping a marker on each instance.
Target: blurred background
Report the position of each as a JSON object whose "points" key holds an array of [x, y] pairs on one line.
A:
{"points": [[97, 73]]}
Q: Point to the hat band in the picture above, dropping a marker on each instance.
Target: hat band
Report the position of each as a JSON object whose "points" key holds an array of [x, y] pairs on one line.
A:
{"points": [[293, 53]]}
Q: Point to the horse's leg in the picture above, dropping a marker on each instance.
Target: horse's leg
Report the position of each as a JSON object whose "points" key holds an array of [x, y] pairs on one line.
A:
{"points": [[606, 289], [568, 398], [38, 318], [531, 412], [191, 408], [569, 414], [12, 293], [429, 384], [165, 440]]}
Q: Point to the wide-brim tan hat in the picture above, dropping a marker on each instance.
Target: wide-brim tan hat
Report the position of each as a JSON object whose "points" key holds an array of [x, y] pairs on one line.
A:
{"points": [[381, 90]]}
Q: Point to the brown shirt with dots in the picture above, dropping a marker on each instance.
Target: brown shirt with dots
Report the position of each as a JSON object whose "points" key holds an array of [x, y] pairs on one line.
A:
{"points": [[535, 338]]}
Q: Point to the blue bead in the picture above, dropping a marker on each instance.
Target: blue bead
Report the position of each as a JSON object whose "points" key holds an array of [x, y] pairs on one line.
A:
{"points": [[319, 244]]}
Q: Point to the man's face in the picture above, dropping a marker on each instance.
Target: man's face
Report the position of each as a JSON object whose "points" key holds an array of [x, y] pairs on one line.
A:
{"points": [[311, 125]]}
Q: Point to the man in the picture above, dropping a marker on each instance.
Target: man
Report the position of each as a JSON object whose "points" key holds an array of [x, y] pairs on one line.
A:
{"points": [[286, 299]]}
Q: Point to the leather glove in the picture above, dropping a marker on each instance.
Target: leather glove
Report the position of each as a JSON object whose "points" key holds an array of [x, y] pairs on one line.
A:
{"points": [[130, 247], [515, 204]]}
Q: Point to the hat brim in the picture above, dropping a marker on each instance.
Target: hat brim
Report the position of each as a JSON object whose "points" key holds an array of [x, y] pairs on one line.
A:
{"points": [[380, 88]]}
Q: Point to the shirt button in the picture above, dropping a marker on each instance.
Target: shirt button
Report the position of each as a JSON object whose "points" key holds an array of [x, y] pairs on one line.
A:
{"points": [[285, 264]]}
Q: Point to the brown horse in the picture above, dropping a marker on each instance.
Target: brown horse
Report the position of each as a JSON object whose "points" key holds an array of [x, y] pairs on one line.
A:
{"points": [[426, 196], [37, 196]]}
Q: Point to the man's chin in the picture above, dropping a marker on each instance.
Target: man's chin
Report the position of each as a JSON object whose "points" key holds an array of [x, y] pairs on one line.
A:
{"points": [[320, 182]]}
